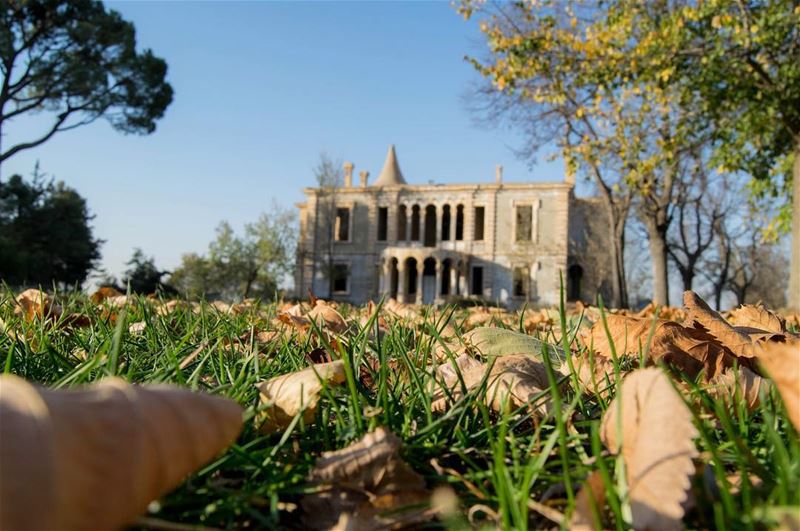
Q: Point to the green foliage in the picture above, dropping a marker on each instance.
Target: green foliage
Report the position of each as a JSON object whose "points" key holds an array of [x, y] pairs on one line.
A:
{"points": [[142, 276], [45, 233], [78, 61], [237, 267]]}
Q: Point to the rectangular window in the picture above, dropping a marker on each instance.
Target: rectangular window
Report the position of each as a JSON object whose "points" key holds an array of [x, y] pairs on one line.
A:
{"points": [[479, 213], [522, 276], [383, 223], [340, 280], [477, 281], [524, 223], [342, 228]]}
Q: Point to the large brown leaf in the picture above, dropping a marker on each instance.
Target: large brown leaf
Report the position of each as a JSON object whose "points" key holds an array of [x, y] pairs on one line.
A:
{"points": [[649, 422], [687, 349], [366, 486], [699, 314], [95, 458], [782, 362]]}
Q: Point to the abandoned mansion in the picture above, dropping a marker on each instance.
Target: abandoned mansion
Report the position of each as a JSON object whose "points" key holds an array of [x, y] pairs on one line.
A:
{"points": [[508, 243]]}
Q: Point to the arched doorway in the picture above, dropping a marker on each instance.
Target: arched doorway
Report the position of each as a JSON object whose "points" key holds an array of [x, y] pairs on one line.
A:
{"points": [[447, 266], [574, 282], [429, 281], [411, 279], [430, 226], [394, 278]]}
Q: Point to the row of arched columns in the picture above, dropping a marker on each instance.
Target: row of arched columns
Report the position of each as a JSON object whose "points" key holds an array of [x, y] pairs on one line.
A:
{"points": [[423, 279], [431, 223]]}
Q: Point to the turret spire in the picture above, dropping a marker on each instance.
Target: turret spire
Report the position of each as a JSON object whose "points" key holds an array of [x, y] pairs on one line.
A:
{"points": [[390, 174]]}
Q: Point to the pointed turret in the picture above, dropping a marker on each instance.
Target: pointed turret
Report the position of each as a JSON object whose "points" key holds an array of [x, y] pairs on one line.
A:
{"points": [[390, 174]]}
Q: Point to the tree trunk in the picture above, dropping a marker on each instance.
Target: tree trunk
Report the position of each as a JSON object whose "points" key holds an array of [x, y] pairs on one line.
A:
{"points": [[616, 231], [687, 276], [794, 270], [658, 255]]}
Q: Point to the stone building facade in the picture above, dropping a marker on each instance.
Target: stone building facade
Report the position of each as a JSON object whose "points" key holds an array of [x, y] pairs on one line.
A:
{"points": [[507, 243]]}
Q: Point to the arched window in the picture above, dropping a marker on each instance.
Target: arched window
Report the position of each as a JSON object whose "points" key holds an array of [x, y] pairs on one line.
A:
{"points": [[401, 223], [415, 223], [446, 223], [460, 222], [574, 282]]}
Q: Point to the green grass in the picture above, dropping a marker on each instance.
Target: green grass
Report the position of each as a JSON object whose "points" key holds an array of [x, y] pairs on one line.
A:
{"points": [[509, 464]]}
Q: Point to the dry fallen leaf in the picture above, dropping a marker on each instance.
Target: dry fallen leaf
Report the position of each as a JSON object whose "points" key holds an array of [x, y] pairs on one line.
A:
{"points": [[103, 293], [757, 316], [687, 349], [366, 486], [327, 317], [655, 433], [699, 313], [287, 395], [95, 458], [588, 503], [33, 303], [747, 383], [513, 381], [782, 362]]}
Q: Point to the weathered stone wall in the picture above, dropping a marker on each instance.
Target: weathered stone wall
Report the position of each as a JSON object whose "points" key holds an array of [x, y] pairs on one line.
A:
{"points": [[498, 253]]}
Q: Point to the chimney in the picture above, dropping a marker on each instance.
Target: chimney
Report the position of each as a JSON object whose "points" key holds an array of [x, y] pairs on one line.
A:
{"points": [[364, 176], [498, 174], [348, 174]]}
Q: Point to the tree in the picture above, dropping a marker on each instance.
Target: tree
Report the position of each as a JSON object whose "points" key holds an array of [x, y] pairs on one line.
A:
{"points": [[564, 69], [142, 276], [329, 176], [701, 203], [78, 61], [739, 58], [45, 233], [239, 267]]}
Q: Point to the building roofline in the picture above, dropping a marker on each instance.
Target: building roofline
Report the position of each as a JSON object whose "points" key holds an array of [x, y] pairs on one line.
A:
{"points": [[450, 187]]}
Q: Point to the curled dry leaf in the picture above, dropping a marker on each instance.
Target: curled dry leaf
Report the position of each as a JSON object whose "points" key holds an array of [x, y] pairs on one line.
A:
{"points": [[289, 394], [757, 316], [327, 317], [782, 362], [699, 313], [687, 349], [366, 486], [95, 458], [513, 381], [36, 304], [655, 433], [745, 382]]}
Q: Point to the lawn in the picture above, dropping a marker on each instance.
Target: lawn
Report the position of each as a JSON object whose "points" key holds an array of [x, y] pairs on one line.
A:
{"points": [[478, 417]]}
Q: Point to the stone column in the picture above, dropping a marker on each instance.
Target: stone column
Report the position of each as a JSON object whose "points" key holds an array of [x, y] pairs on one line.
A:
{"points": [[453, 279], [438, 293], [409, 217], [387, 278], [420, 270], [453, 222], [463, 285], [438, 213], [401, 280]]}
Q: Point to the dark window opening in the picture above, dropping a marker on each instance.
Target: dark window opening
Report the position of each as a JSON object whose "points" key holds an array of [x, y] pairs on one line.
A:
{"points": [[479, 214], [446, 223], [574, 283], [430, 226], [415, 223], [411, 268], [402, 220], [522, 276], [444, 289], [383, 219], [477, 281], [340, 275], [460, 222], [342, 224], [524, 222]]}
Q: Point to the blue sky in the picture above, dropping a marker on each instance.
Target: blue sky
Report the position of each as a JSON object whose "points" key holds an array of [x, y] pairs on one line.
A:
{"points": [[260, 90]]}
